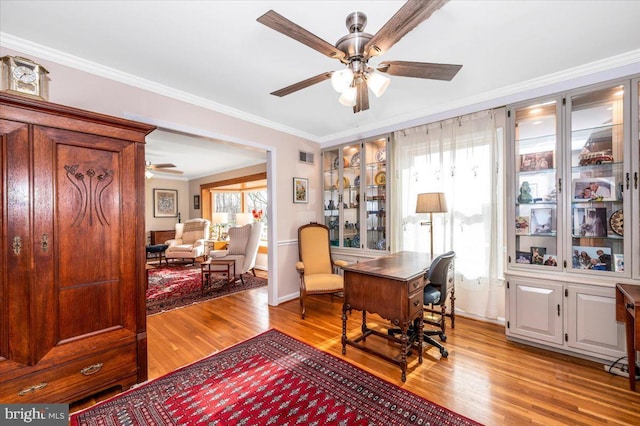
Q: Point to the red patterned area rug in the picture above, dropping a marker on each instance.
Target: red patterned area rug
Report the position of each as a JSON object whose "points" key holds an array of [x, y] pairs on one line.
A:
{"points": [[271, 379], [175, 286]]}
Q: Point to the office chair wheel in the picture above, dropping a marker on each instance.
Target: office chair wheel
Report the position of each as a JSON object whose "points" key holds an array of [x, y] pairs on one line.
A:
{"points": [[444, 353], [443, 338]]}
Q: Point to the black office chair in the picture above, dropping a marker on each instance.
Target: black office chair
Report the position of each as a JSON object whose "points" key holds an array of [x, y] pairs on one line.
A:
{"points": [[435, 294]]}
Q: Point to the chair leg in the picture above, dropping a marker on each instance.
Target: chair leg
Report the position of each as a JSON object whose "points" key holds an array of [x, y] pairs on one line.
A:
{"points": [[253, 270], [302, 309]]}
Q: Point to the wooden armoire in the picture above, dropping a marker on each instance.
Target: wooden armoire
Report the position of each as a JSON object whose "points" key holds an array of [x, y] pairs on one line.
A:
{"points": [[72, 280]]}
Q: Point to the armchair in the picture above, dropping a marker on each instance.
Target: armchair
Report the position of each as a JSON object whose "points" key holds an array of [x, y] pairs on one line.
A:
{"points": [[189, 242], [243, 248], [317, 271]]}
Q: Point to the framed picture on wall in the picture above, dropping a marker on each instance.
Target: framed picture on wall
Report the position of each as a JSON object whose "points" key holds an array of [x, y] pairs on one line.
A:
{"points": [[300, 190], [165, 203], [196, 202]]}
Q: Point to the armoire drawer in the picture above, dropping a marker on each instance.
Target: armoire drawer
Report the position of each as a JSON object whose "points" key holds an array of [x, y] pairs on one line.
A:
{"points": [[77, 377]]}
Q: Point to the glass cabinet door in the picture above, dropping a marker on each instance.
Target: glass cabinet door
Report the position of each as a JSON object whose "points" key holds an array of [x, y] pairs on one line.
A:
{"points": [[350, 195], [536, 193], [331, 195], [355, 194], [376, 194], [597, 180]]}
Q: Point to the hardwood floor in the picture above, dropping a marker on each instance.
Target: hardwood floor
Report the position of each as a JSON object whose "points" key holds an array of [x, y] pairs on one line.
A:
{"points": [[485, 377]]}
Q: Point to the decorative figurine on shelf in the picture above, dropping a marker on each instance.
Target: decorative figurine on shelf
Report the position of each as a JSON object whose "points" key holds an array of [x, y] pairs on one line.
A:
{"points": [[331, 205], [525, 193]]}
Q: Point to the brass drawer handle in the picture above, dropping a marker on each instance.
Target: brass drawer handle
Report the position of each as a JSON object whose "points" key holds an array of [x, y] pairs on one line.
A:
{"points": [[416, 302], [630, 306], [33, 388], [92, 369], [416, 284]]}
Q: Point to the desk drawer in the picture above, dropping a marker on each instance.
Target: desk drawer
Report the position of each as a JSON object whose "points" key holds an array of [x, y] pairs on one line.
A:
{"points": [[76, 379], [415, 303]]}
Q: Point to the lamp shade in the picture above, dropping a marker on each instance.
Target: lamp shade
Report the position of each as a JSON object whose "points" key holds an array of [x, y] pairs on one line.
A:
{"points": [[218, 218], [341, 80], [431, 202], [244, 218], [348, 97], [377, 83]]}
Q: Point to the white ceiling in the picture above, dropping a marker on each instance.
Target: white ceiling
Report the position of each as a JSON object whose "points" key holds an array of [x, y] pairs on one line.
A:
{"points": [[216, 50]]}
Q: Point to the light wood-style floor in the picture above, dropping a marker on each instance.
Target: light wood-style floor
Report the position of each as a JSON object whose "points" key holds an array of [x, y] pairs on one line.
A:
{"points": [[485, 377]]}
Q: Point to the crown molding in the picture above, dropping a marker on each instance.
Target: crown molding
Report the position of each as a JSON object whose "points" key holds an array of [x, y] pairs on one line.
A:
{"points": [[11, 42]]}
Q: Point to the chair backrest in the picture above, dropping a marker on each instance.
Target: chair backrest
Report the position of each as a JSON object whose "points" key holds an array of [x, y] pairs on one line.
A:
{"points": [[253, 244], [314, 249], [441, 272], [245, 240], [194, 230]]}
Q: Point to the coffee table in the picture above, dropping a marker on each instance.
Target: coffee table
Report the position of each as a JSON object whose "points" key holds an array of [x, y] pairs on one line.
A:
{"points": [[205, 268]]}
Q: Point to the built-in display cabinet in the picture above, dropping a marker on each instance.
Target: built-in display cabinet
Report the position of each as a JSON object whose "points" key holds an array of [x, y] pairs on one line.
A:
{"points": [[355, 196], [573, 165]]}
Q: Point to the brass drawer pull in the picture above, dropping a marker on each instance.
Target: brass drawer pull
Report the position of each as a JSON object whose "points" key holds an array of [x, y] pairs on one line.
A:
{"points": [[416, 302], [92, 369], [417, 284], [33, 388]]}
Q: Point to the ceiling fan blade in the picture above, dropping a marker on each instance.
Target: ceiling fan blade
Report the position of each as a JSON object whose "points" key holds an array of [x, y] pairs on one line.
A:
{"points": [[406, 18], [161, 166], [362, 96], [420, 69], [302, 84], [177, 172], [281, 24]]}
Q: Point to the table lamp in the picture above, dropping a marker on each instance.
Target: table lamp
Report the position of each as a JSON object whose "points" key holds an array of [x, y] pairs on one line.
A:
{"points": [[244, 218], [431, 202], [218, 219]]}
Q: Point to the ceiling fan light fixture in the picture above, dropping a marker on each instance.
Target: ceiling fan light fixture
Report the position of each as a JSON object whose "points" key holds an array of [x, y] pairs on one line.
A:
{"points": [[148, 174], [377, 83], [341, 80], [348, 97]]}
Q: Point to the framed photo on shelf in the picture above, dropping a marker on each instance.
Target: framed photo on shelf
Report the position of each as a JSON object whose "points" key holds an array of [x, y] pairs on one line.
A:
{"points": [[165, 203], [523, 257], [537, 255], [550, 260], [594, 189], [590, 222], [596, 258], [540, 223], [536, 161], [300, 190], [522, 225], [618, 262]]}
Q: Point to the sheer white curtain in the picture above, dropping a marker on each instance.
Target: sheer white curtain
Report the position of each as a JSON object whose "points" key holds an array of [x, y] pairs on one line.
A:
{"points": [[461, 157]]}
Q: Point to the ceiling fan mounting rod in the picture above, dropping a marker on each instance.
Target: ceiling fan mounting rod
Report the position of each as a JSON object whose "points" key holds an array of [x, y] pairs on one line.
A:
{"points": [[353, 44]]}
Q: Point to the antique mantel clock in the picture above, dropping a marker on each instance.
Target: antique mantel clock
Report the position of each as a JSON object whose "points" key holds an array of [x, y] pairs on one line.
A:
{"points": [[22, 76]]}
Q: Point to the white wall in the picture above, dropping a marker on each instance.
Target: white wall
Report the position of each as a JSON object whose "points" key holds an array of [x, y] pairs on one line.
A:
{"points": [[79, 89], [165, 223]]}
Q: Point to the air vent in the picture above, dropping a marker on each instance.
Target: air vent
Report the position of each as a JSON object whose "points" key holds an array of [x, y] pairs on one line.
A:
{"points": [[305, 157]]}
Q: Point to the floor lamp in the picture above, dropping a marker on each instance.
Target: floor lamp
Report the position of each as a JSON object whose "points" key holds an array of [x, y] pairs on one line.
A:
{"points": [[431, 202]]}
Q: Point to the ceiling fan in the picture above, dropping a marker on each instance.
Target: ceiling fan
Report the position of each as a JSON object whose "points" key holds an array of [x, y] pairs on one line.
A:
{"points": [[356, 48], [162, 168]]}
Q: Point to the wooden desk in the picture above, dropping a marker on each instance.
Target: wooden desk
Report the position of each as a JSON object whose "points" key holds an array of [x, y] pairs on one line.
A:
{"points": [[392, 287], [628, 310]]}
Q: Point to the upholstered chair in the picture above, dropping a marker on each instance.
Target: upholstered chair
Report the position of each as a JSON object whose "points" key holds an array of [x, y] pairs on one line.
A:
{"points": [[318, 273], [189, 242], [244, 242]]}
